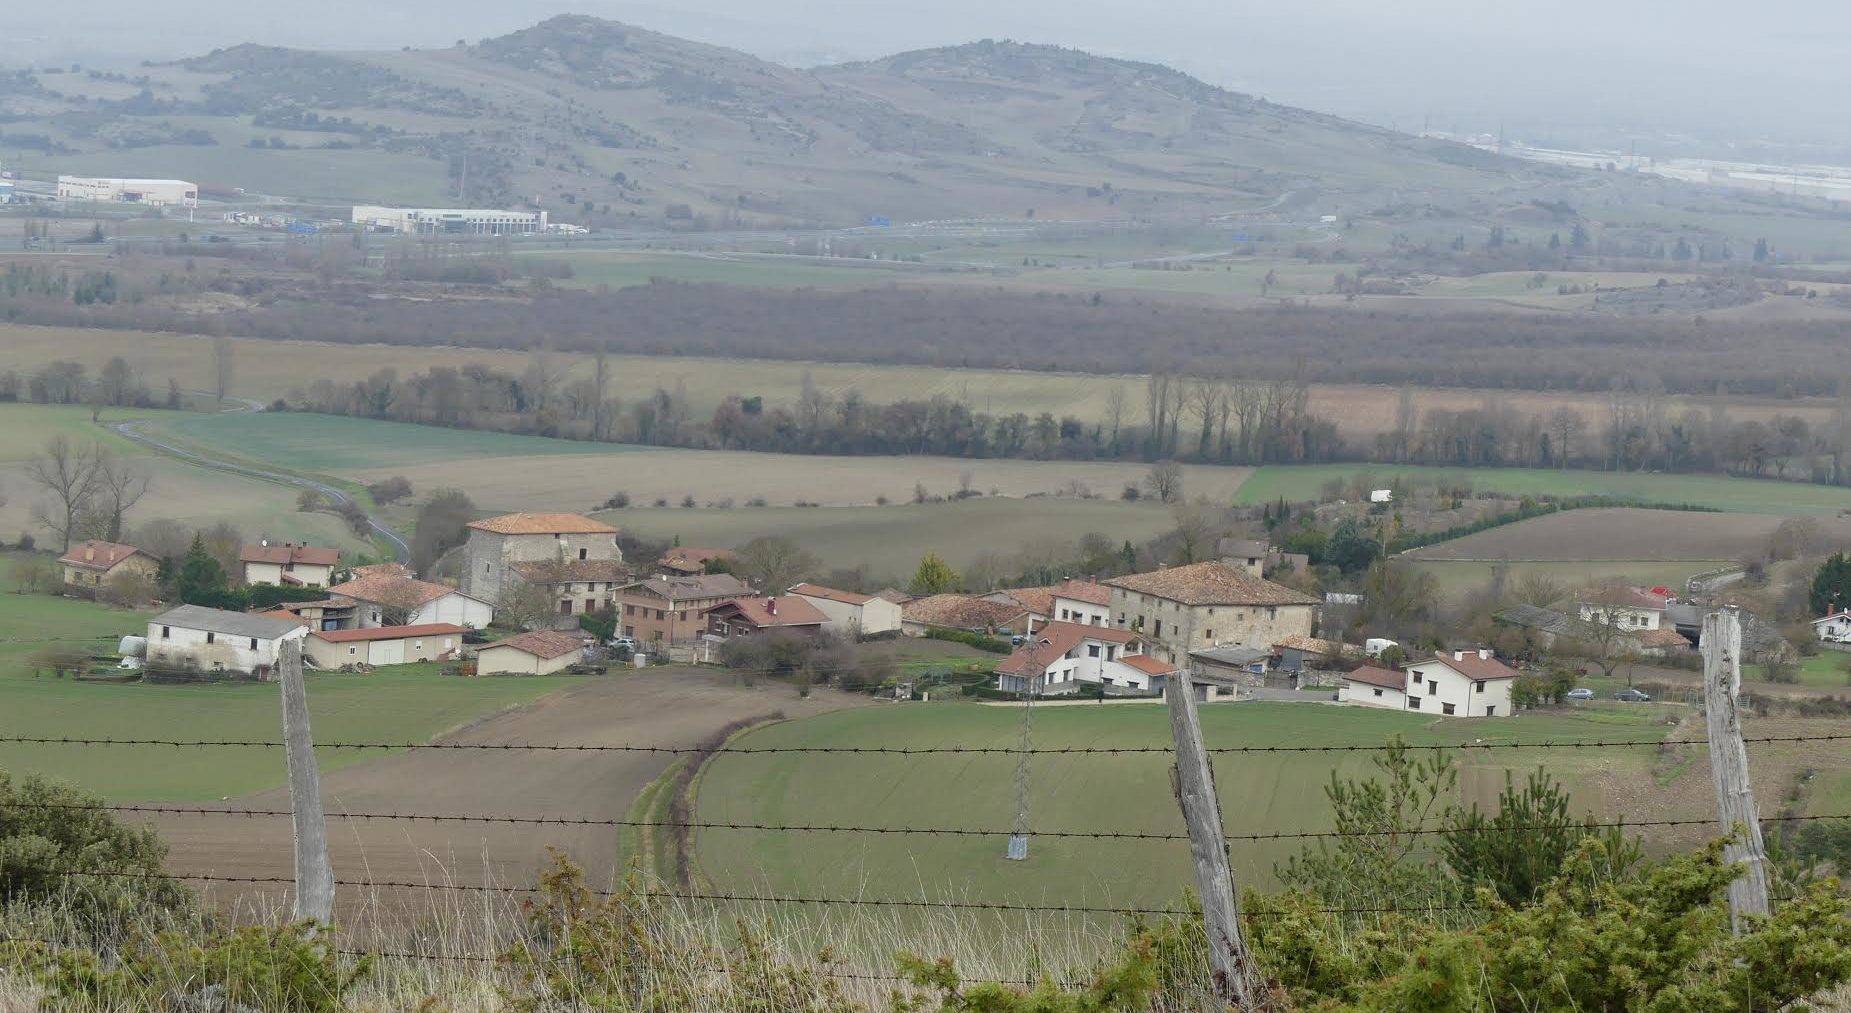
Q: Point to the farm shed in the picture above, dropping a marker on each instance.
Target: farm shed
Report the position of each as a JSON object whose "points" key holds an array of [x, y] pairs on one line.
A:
{"points": [[214, 640], [541, 652], [384, 645]]}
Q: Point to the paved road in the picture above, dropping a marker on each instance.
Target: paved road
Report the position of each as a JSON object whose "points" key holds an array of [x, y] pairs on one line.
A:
{"points": [[132, 430]]}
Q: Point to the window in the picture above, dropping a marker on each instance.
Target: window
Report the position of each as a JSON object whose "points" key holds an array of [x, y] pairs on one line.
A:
{"points": [[1111, 653], [253, 643], [1491, 710], [352, 651], [417, 645], [1413, 703], [1211, 634], [1092, 650], [565, 607], [167, 632], [1272, 613], [1446, 708], [659, 614], [485, 568], [1479, 686], [1211, 611], [581, 553], [210, 637], [1159, 629], [1378, 692], [629, 610], [1417, 678]]}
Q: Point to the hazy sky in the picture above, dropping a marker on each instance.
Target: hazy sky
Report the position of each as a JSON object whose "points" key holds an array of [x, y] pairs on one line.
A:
{"points": [[1722, 68]]}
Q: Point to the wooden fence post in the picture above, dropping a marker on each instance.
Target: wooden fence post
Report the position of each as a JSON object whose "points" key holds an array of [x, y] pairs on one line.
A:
{"points": [[314, 876], [1228, 959], [1735, 797]]}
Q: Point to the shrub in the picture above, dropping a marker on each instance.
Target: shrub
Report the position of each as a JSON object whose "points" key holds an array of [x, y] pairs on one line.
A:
{"points": [[618, 501], [26, 542], [390, 490], [995, 645], [290, 969]]}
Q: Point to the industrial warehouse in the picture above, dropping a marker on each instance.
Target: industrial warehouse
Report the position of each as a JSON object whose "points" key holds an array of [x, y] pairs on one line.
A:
{"points": [[458, 221], [152, 192]]}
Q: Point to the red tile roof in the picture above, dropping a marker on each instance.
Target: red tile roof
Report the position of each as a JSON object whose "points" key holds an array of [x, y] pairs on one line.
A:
{"points": [[1211, 583], [1474, 667], [1083, 590], [543, 524], [389, 633], [283, 553], [1387, 678], [790, 611], [382, 589], [382, 570], [1625, 597], [543, 644], [1149, 665], [706, 586], [960, 611], [1039, 600], [691, 559], [831, 594], [1660, 638], [1313, 645], [99, 555]]}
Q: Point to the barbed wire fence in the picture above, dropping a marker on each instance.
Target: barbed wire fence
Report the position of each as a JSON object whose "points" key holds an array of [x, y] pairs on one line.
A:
{"points": [[1722, 666]]}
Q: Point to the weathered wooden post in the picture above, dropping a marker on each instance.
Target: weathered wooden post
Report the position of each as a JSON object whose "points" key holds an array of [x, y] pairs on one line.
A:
{"points": [[1735, 797], [1228, 959], [314, 876]]}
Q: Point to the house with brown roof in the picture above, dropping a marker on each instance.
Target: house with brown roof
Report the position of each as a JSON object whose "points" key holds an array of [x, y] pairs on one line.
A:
{"points": [[689, 561], [851, 614], [756, 617], [497, 544], [387, 600], [1039, 601], [966, 613], [665, 611], [1460, 683], [336, 613], [304, 565], [1080, 601], [1182, 609], [575, 586], [541, 652], [90, 566], [384, 645], [1060, 657]]}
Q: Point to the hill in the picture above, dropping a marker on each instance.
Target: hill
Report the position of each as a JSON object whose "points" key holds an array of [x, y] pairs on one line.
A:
{"points": [[607, 124]]}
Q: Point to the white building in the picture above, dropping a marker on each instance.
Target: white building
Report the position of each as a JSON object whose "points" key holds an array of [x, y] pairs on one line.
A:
{"points": [[1061, 656], [1083, 602], [1458, 684], [1834, 628], [849, 613], [152, 192], [384, 645], [1375, 687], [381, 596], [303, 565], [450, 221], [1628, 608], [213, 640]]}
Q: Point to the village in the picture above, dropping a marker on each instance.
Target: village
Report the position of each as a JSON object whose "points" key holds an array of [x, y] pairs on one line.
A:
{"points": [[541, 593]]}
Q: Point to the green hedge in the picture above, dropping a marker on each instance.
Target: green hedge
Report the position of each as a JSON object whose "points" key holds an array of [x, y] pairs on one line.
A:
{"points": [[995, 645]]}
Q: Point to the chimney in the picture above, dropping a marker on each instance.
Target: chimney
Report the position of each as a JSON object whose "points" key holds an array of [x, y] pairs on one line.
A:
{"points": [[1484, 653], [771, 606], [1458, 655], [90, 553]]}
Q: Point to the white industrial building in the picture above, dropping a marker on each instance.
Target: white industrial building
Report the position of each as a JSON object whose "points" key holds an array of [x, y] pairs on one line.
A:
{"points": [[450, 221], [152, 192]]}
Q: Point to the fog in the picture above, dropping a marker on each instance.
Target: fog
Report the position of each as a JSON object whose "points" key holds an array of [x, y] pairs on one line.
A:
{"points": [[1575, 71]]}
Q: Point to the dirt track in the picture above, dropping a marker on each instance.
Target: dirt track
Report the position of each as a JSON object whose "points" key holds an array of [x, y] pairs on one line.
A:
{"points": [[661, 708]]}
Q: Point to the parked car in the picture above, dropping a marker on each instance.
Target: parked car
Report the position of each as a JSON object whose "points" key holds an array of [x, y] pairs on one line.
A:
{"points": [[1630, 695], [1581, 693], [625, 642]]}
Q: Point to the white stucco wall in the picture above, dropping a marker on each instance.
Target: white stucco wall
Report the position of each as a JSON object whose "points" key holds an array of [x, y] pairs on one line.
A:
{"points": [[1440, 686], [213, 652]]}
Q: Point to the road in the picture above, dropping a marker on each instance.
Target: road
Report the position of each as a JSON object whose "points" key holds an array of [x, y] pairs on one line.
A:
{"points": [[132, 430]]}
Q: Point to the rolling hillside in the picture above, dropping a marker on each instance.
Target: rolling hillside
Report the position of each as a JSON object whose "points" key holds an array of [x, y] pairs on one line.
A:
{"points": [[609, 124]]}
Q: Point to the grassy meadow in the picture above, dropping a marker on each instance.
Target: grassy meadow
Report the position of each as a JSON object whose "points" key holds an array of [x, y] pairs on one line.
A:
{"points": [[1460, 578], [1130, 792]]}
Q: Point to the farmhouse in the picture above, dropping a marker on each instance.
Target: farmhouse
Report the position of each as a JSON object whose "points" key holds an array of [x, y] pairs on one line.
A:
{"points": [[1060, 657], [1081, 601], [749, 617], [1834, 627], [1461, 683], [386, 600], [284, 563], [384, 645], [668, 610], [1546, 626], [688, 561], [541, 652], [965, 613], [1628, 608], [200, 639], [90, 566], [1246, 553], [1188, 608], [496, 544], [851, 614], [575, 586], [1374, 686]]}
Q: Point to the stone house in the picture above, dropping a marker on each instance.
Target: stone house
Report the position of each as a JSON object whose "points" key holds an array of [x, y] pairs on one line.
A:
{"points": [[575, 586], [669, 610], [851, 614], [496, 544], [1183, 609], [89, 566], [285, 563], [203, 639]]}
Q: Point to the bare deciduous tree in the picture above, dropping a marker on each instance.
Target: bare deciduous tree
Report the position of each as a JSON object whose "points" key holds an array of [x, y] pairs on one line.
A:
{"points": [[222, 367], [68, 475], [1197, 529], [1165, 481], [120, 484], [774, 564]]}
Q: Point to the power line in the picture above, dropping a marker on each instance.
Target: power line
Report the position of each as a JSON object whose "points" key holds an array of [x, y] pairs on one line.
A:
{"points": [[1134, 835], [903, 750]]}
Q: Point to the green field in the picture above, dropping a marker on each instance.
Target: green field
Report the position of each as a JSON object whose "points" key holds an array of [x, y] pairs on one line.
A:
{"points": [[1738, 495], [329, 443], [1128, 792], [28, 427], [1464, 577]]}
